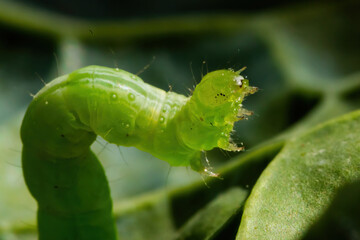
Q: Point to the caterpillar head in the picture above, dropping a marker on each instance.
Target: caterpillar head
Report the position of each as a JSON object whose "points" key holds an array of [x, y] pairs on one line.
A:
{"points": [[217, 100], [223, 90]]}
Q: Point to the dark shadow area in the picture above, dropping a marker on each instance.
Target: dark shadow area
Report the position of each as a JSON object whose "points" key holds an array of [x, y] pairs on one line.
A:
{"points": [[24, 54], [352, 97], [327, 44], [24, 60], [275, 115], [231, 228], [108, 9]]}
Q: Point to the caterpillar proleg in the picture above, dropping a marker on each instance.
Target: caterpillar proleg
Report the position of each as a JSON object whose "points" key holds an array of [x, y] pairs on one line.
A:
{"points": [[65, 117]]}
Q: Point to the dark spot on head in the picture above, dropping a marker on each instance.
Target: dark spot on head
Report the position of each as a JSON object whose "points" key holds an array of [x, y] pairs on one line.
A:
{"points": [[190, 128], [127, 135], [56, 186], [201, 119], [62, 135], [211, 124]]}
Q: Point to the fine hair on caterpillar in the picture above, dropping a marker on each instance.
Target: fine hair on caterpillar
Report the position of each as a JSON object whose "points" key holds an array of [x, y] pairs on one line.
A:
{"points": [[67, 115]]}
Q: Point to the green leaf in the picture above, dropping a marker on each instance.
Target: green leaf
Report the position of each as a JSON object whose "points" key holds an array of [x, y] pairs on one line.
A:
{"points": [[208, 221], [299, 185], [149, 219], [341, 220]]}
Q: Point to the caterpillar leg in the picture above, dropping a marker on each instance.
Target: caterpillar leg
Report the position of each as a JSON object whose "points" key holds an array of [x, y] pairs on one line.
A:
{"points": [[251, 90], [232, 147], [208, 170], [228, 145], [201, 165], [244, 114]]}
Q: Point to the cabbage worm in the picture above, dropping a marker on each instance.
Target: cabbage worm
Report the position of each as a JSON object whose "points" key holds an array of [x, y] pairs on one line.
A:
{"points": [[65, 117]]}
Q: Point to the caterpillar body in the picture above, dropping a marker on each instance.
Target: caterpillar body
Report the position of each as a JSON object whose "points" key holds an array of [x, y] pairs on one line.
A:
{"points": [[65, 117]]}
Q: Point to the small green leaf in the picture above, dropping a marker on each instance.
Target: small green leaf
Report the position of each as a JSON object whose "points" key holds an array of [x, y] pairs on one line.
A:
{"points": [[207, 222], [146, 220], [300, 184]]}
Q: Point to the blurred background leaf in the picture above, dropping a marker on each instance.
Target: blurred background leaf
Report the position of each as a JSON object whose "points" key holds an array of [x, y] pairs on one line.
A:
{"points": [[304, 57]]}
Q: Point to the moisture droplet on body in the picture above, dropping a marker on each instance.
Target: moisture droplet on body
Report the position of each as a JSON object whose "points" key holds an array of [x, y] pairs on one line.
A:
{"points": [[113, 96], [131, 97], [125, 125]]}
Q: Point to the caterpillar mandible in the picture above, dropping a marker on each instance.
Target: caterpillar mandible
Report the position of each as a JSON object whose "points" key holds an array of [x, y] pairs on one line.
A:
{"points": [[65, 117]]}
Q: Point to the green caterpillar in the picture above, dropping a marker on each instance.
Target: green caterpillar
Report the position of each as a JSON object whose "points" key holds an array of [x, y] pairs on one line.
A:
{"points": [[65, 117]]}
